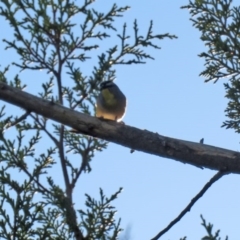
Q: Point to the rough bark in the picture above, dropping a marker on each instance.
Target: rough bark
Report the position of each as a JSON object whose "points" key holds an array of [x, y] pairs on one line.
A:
{"points": [[197, 154]]}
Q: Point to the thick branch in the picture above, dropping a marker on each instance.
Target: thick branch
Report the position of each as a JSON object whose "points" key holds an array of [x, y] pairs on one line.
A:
{"points": [[197, 154]]}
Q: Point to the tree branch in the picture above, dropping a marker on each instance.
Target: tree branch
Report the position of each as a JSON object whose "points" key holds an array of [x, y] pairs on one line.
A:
{"points": [[197, 154], [216, 177], [18, 120]]}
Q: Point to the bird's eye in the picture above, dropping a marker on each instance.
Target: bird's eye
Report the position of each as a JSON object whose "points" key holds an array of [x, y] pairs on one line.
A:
{"points": [[106, 84]]}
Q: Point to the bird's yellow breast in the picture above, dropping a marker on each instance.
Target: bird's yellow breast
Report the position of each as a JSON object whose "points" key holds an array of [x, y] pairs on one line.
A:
{"points": [[109, 97]]}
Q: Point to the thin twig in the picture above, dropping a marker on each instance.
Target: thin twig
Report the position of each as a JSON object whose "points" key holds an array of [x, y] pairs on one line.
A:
{"points": [[79, 101], [83, 166], [193, 201], [45, 130], [18, 120]]}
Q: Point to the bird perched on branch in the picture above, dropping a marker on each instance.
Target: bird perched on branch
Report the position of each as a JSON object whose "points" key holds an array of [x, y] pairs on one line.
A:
{"points": [[111, 102]]}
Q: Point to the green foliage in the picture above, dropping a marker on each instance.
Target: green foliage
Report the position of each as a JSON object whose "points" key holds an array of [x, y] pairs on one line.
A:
{"points": [[209, 228], [232, 110], [219, 24], [98, 219], [58, 37], [184, 238]]}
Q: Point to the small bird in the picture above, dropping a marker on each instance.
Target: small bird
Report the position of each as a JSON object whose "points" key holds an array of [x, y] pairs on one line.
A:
{"points": [[111, 102], [202, 141]]}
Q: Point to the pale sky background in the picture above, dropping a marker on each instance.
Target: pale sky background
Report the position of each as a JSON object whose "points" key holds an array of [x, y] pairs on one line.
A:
{"points": [[165, 96]]}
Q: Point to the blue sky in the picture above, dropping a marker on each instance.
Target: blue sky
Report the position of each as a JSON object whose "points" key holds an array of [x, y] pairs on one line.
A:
{"points": [[165, 96]]}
